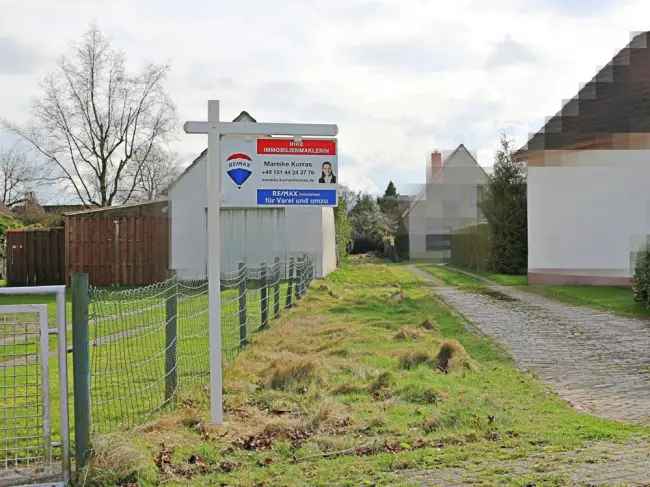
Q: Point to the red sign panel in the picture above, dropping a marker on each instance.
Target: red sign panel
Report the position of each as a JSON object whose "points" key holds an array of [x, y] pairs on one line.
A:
{"points": [[306, 147]]}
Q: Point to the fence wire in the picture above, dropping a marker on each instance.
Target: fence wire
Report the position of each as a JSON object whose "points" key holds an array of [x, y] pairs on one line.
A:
{"points": [[30, 434], [148, 343], [21, 423]]}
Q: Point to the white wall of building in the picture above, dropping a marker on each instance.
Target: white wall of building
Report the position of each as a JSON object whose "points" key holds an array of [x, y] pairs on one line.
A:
{"points": [[251, 235], [588, 212]]}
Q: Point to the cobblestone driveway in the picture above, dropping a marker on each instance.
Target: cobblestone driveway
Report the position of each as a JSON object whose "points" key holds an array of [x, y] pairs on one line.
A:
{"points": [[597, 361]]}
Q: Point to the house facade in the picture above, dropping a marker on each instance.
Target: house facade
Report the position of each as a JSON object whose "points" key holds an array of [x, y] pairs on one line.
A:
{"points": [[589, 178], [251, 235], [448, 202]]}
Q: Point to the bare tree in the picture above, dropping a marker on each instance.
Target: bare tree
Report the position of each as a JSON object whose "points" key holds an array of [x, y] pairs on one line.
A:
{"points": [[18, 174], [98, 124], [155, 176]]}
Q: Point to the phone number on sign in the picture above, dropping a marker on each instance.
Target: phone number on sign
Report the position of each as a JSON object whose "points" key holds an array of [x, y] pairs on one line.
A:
{"points": [[288, 172]]}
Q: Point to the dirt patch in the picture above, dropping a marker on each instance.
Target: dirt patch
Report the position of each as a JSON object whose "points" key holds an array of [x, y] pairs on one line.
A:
{"points": [[493, 293]]}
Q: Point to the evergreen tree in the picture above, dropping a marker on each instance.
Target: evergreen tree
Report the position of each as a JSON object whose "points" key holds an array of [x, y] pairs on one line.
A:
{"points": [[391, 191], [505, 207], [389, 201]]}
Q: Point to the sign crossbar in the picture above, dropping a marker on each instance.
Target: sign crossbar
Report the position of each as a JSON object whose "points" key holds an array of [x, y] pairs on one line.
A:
{"points": [[253, 128]]}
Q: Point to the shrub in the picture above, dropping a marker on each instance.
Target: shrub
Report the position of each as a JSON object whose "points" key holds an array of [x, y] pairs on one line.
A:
{"points": [[343, 229], [641, 281]]}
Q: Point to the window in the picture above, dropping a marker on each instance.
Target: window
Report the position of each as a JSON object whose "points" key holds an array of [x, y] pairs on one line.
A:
{"points": [[438, 242]]}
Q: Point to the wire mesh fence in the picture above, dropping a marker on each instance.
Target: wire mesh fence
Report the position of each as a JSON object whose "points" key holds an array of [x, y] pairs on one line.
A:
{"points": [[148, 343], [30, 440]]}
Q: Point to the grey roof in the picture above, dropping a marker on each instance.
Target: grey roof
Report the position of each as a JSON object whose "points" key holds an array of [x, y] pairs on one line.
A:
{"points": [[415, 200], [244, 116]]}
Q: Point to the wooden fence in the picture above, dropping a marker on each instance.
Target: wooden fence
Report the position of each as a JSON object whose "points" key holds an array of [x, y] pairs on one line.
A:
{"points": [[123, 250], [35, 257]]}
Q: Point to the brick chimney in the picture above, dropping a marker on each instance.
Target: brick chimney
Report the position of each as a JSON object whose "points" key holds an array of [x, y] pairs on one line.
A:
{"points": [[434, 165]]}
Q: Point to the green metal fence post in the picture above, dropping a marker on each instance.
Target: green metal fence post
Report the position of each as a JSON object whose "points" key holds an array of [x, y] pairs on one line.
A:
{"points": [[276, 287], [264, 297], [299, 274], [171, 308], [289, 283], [243, 333], [81, 367]]}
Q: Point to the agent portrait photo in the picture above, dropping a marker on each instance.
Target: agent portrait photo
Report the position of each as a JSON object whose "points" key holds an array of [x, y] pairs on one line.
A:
{"points": [[327, 176]]}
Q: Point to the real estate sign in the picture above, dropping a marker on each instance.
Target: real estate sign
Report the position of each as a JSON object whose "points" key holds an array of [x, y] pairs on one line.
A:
{"points": [[277, 171]]}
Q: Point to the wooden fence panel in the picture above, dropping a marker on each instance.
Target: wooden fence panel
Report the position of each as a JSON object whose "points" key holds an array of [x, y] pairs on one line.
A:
{"points": [[35, 257], [124, 250]]}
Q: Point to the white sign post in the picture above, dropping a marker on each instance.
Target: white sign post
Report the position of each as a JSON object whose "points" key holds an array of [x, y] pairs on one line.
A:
{"points": [[215, 129]]}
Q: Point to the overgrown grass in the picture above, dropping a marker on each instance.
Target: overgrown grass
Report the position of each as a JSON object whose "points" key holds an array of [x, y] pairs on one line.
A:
{"points": [[615, 299], [127, 356], [321, 399], [456, 277], [506, 279], [451, 276]]}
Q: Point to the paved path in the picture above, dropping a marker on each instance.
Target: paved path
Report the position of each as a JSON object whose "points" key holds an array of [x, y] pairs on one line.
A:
{"points": [[598, 361]]}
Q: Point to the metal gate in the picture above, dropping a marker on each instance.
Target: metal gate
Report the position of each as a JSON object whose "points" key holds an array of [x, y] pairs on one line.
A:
{"points": [[34, 447]]}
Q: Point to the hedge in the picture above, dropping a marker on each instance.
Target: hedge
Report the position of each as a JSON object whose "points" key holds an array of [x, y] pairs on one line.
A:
{"points": [[641, 282], [470, 247]]}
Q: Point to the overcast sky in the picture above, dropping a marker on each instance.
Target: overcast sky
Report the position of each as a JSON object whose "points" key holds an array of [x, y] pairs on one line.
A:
{"points": [[400, 78]]}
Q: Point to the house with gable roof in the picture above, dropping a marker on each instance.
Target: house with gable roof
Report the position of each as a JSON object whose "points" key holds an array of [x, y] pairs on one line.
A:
{"points": [[448, 202], [589, 178]]}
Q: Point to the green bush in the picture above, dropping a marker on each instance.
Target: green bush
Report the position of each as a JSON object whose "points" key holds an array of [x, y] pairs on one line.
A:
{"points": [[641, 282]]}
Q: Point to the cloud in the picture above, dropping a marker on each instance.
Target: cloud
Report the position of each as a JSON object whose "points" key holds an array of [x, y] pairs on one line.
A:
{"points": [[578, 8], [303, 101], [409, 56], [399, 78], [509, 52], [16, 58]]}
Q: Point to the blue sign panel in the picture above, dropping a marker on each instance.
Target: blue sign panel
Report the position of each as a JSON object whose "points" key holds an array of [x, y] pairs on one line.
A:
{"points": [[297, 197]]}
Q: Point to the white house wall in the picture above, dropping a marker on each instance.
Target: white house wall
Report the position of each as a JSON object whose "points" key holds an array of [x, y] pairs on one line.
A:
{"points": [[588, 212], [188, 201]]}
